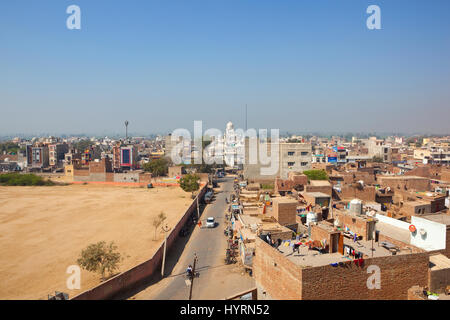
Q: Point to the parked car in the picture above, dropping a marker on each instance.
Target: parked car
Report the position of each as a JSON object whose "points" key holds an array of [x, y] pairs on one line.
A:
{"points": [[210, 222], [209, 196]]}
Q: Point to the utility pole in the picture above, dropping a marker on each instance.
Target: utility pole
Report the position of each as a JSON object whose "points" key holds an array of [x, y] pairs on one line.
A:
{"points": [[193, 276], [198, 208], [372, 245], [165, 228]]}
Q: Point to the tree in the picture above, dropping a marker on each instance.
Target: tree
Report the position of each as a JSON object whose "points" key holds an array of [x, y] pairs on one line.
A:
{"points": [[157, 221], [9, 147], [377, 159], [316, 174], [83, 145], [189, 183], [200, 168], [100, 257], [158, 167]]}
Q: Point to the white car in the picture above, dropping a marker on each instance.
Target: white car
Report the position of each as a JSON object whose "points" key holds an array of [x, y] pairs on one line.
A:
{"points": [[210, 222]]}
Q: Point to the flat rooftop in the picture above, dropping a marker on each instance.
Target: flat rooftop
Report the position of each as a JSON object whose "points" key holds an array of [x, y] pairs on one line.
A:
{"points": [[313, 258], [403, 177], [441, 218], [249, 220], [320, 183], [439, 262], [393, 232], [284, 200], [317, 194], [415, 203]]}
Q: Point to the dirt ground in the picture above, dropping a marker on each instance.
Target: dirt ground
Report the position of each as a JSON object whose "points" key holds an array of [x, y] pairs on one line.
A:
{"points": [[44, 229]]}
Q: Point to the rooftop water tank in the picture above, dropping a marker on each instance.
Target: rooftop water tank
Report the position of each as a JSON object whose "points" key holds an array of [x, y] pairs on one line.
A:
{"points": [[356, 206], [311, 217]]}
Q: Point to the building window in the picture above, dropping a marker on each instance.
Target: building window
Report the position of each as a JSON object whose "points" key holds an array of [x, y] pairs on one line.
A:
{"points": [[291, 164], [304, 164], [304, 153], [291, 153]]}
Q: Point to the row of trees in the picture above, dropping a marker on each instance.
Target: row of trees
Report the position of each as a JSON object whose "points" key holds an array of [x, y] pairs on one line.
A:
{"points": [[160, 167], [17, 179], [9, 147]]}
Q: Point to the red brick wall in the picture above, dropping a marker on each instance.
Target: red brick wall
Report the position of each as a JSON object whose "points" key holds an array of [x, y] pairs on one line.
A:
{"points": [[350, 192], [97, 167], [109, 177], [298, 178], [359, 226], [82, 172], [445, 175], [438, 280], [284, 212], [145, 178], [318, 233], [356, 176], [324, 189], [398, 274], [282, 281], [400, 183]]}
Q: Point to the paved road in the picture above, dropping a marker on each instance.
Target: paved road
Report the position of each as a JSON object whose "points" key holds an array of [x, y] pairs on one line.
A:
{"points": [[216, 280]]}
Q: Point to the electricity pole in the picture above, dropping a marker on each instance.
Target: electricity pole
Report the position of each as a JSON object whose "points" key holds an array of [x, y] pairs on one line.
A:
{"points": [[198, 208], [165, 228], [193, 276]]}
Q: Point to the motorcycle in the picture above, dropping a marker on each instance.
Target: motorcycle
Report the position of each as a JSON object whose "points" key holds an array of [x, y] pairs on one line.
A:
{"points": [[190, 275]]}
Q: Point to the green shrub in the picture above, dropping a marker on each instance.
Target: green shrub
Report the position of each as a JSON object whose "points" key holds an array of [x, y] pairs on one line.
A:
{"points": [[17, 179], [316, 174]]}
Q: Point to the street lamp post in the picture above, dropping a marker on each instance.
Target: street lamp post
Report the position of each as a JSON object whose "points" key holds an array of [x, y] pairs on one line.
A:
{"points": [[165, 228]]}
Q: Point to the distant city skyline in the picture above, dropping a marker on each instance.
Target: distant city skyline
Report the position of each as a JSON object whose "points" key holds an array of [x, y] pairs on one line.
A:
{"points": [[299, 66]]}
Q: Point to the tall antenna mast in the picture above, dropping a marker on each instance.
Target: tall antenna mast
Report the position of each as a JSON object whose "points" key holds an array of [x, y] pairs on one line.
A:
{"points": [[126, 130], [245, 117]]}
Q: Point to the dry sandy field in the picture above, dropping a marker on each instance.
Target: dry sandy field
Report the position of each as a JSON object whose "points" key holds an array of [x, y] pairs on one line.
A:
{"points": [[44, 229]]}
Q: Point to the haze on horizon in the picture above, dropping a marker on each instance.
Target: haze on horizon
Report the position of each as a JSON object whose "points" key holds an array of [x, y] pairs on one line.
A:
{"points": [[300, 66]]}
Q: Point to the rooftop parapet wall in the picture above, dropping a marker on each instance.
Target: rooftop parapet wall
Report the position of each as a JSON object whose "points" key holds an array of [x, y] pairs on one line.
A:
{"points": [[283, 279]]}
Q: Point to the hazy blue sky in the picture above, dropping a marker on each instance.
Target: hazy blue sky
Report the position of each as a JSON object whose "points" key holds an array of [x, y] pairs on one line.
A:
{"points": [[300, 65]]}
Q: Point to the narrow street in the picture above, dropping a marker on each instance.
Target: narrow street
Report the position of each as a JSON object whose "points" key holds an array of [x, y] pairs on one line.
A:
{"points": [[217, 280]]}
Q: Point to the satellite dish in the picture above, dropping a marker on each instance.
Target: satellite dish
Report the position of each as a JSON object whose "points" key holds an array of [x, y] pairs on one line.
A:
{"points": [[422, 232]]}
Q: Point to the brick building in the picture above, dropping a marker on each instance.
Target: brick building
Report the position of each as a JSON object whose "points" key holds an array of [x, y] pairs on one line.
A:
{"points": [[279, 274], [37, 157]]}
